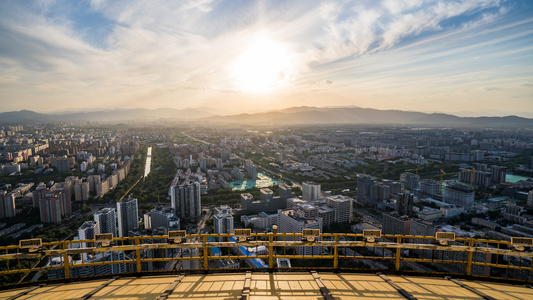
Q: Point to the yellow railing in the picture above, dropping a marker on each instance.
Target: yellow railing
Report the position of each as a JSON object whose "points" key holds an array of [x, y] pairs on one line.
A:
{"points": [[494, 259]]}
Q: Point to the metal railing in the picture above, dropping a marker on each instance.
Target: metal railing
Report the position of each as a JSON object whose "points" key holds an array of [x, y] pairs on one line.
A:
{"points": [[494, 259]]}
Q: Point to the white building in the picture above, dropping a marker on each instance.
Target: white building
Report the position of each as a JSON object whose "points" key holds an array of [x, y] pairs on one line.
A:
{"points": [[310, 191], [87, 231], [262, 220], [292, 221], [185, 200], [107, 220], [81, 191], [223, 219], [343, 207], [127, 216], [459, 194], [160, 217]]}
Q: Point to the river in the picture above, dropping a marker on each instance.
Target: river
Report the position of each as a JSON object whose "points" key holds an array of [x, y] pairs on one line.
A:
{"points": [[148, 162]]}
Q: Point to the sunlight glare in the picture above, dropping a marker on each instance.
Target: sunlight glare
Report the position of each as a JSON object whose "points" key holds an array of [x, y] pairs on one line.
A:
{"points": [[263, 67]]}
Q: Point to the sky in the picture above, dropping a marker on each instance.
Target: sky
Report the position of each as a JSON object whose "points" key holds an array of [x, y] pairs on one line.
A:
{"points": [[468, 58]]}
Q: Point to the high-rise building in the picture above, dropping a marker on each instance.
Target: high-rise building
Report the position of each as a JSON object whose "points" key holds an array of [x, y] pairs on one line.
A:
{"points": [[93, 181], [63, 165], [459, 194], [292, 221], [383, 191], [7, 206], [251, 170], [128, 216], [50, 209], [39, 193], [266, 195], [285, 191], [498, 174], [185, 200], [102, 188], [107, 220], [63, 195], [81, 191], [311, 191], [482, 175], [220, 164], [87, 231], [429, 187], [262, 220], [410, 181], [394, 186], [223, 219], [404, 204], [530, 199], [246, 199], [393, 223], [343, 207], [65, 202], [422, 228], [366, 189], [327, 214], [161, 217], [225, 154]]}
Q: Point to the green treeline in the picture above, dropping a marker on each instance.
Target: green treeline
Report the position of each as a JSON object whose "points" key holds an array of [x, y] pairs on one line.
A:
{"points": [[154, 188]]}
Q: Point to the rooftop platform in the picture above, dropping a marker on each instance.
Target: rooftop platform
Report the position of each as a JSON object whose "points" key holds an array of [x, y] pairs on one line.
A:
{"points": [[264, 285]]}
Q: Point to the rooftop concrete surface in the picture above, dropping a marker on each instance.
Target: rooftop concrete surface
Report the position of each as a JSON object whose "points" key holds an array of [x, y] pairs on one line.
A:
{"points": [[262, 285]]}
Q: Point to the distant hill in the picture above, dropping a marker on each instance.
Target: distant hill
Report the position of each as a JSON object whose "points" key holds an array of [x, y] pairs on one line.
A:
{"points": [[139, 114], [301, 115], [24, 116], [368, 116]]}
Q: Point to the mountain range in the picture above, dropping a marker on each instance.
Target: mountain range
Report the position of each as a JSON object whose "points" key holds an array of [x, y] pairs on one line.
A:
{"points": [[366, 116], [290, 116], [116, 115]]}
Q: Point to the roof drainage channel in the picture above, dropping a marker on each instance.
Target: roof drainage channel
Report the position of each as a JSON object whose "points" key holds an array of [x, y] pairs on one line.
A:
{"points": [[25, 292], [400, 290], [323, 289], [171, 288], [473, 290], [95, 290]]}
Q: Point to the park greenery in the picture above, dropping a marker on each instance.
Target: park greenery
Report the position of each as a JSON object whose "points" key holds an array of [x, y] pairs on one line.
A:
{"points": [[135, 173], [154, 188]]}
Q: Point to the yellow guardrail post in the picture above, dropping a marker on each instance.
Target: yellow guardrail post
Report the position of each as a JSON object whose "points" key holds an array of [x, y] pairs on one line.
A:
{"points": [[336, 253], [13, 254], [398, 254], [469, 259], [138, 255], [66, 262], [270, 251], [206, 263]]}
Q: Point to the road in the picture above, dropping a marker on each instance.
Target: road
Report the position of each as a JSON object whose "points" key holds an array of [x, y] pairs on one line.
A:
{"points": [[177, 265], [201, 224], [193, 138]]}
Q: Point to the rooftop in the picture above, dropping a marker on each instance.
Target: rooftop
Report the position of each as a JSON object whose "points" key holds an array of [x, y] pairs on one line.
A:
{"points": [[264, 285]]}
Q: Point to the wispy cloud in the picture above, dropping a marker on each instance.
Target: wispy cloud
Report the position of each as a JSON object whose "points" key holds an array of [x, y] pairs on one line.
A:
{"points": [[179, 53]]}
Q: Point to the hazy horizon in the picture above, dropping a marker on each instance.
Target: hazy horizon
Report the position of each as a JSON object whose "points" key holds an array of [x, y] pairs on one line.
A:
{"points": [[229, 113], [465, 58]]}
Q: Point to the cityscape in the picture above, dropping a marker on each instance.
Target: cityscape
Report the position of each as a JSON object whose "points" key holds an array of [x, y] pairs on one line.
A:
{"points": [[326, 149], [74, 181]]}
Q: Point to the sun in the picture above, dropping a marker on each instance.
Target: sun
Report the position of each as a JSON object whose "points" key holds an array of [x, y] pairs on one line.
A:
{"points": [[263, 67]]}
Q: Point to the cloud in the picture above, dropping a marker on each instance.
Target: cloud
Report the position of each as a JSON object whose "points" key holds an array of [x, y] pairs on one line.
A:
{"points": [[179, 51], [529, 85], [491, 88]]}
